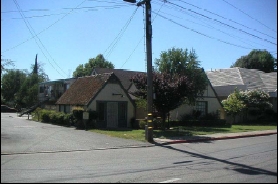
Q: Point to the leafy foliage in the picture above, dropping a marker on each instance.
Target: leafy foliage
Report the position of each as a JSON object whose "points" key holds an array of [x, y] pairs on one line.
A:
{"points": [[254, 101], [177, 61], [4, 63], [257, 59], [170, 91], [28, 93], [21, 88], [10, 84], [176, 80], [86, 69]]}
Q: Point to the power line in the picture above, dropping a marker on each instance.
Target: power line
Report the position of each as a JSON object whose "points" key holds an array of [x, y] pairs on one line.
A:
{"points": [[210, 26], [143, 37], [117, 5], [250, 16], [202, 33], [219, 22], [31, 30], [119, 36], [215, 20], [228, 19], [44, 29]]}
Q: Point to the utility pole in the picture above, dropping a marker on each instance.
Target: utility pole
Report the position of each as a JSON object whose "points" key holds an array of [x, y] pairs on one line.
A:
{"points": [[148, 22]]}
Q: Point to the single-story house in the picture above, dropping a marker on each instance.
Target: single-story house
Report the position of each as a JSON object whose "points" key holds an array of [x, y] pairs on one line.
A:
{"points": [[225, 81], [207, 104], [124, 76], [103, 93]]}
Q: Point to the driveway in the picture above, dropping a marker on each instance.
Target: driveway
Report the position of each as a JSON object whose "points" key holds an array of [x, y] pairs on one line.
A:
{"points": [[20, 135]]}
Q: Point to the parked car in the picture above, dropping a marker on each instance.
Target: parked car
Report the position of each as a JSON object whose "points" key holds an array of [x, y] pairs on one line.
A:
{"points": [[5, 108]]}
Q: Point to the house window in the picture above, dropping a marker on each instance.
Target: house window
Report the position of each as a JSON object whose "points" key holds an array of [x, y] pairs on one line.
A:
{"points": [[101, 111], [67, 109], [61, 108], [202, 107]]}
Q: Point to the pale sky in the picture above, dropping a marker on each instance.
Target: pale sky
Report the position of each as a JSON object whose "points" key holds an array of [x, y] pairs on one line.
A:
{"points": [[67, 33]]}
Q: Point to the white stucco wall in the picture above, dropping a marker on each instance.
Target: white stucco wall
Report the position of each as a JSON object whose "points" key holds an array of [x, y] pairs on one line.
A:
{"points": [[106, 94], [212, 105]]}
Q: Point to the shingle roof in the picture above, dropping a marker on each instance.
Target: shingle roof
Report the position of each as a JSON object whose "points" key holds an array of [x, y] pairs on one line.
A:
{"points": [[223, 80], [225, 77], [84, 89], [123, 75]]}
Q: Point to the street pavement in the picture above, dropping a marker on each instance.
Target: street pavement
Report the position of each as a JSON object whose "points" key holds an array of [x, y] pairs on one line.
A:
{"points": [[200, 138]]}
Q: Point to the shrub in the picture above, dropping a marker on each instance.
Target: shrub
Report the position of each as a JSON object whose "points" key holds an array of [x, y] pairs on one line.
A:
{"points": [[186, 117], [254, 112], [45, 115], [210, 116], [36, 114], [142, 124], [66, 119], [53, 117]]}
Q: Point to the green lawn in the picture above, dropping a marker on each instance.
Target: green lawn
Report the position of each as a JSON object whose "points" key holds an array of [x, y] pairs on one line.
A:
{"points": [[181, 131]]}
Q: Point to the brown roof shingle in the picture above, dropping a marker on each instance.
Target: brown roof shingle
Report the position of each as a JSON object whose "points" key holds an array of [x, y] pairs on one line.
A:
{"points": [[83, 90], [123, 75]]}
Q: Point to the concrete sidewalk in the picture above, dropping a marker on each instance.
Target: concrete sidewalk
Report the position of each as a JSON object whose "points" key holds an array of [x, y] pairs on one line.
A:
{"points": [[211, 137]]}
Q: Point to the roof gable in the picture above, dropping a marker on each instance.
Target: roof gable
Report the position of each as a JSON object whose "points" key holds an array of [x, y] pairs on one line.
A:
{"points": [[84, 89], [123, 75]]}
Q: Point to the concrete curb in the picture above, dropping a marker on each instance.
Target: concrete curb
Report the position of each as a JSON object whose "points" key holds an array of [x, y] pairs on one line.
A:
{"points": [[213, 138]]}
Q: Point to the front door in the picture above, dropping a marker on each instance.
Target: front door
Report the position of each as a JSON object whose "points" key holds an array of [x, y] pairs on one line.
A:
{"points": [[112, 114]]}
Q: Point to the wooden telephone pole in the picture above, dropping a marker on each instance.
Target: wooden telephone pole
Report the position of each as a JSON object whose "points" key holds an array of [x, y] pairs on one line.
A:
{"points": [[148, 22]]}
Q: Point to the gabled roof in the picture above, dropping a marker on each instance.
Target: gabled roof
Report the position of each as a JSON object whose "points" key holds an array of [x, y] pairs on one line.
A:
{"points": [[123, 75], [242, 78], [84, 89]]}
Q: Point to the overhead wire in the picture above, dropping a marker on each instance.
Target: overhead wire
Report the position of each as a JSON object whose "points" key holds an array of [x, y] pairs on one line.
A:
{"points": [[250, 16], [142, 38], [205, 24], [211, 27], [205, 35], [227, 19], [95, 8], [215, 20], [31, 30], [44, 29], [116, 40]]}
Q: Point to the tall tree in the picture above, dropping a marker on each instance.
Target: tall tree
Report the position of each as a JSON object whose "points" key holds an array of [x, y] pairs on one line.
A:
{"points": [[35, 70], [257, 59], [28, 93], [177, 61], [18, 87], [43, 77], [184, 63], [11, 82], [171, 91], [86, 69]]}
